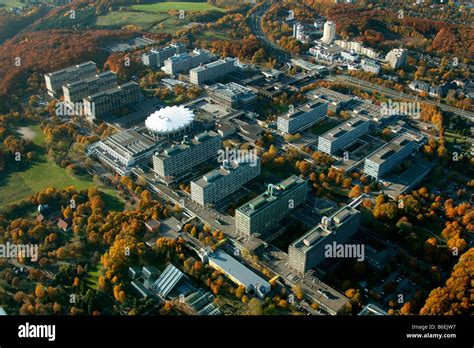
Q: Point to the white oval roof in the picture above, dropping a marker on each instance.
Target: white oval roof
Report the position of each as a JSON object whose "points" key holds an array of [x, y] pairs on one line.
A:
{"points": [[169, 119]]}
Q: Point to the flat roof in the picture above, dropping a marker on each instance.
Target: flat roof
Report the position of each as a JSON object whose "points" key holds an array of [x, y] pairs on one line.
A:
{"points": [[92, 78], [317, 234], [219, 173], [128, 85], [231, 89], [344, 128], [367, 109], [390, 149], [330, 95], [272, 193], [303, 109], [72, 68], [129, 142], [306, 65], [237, 270], [214, 64], [175, 149]]}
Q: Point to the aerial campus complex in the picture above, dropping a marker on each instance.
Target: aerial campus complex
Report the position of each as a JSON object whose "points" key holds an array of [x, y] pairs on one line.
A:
{"points": [[251, 158]]}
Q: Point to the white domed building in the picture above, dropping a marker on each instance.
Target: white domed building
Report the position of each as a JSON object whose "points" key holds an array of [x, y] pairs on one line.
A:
{"points": [[170, 121]]}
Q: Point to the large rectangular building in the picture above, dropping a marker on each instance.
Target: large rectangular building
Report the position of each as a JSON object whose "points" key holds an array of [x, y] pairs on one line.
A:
{"points": [[57, 79], [388, 156], [179, 159], [219, 183], [156, 58], [343, 135], [75, 91], [336, 101], [303, 117], [266, 211], [212, 71], [186, 61], [238, 273], [101, 104], [232, 95], [124, 150], [309, 250]]}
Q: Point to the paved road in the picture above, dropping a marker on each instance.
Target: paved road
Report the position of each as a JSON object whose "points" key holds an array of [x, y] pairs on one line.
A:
{"points": [[400, 95], [254, 22], [208, 215], [284, 57]]}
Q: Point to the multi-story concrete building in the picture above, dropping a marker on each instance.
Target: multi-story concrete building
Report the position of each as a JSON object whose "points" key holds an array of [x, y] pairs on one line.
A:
{"points": [[397, 58], [358, 47], [101, 104], [219, 183], [156, 58], [212, 71], [124, 150], [325, 52], [186, 61], [336, 101], [343, 135], [232, 95], [329, 33], [174, 161], [370, 66], [388, 156], [299, 33], [75, 91], [266, 211], [309, 250], [351, 57], [303, 117], [57, 79]]}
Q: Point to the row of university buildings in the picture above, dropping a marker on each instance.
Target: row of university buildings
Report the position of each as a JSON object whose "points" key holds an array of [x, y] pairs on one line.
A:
{"points": [[172, 159]]}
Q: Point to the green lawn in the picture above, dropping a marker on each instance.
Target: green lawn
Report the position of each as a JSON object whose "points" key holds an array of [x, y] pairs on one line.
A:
{"points": [[43, 173], [177, 5], [212, 35], [323, 127], [39, 136], [145, 20], [169, 25], [94, 274], [10, 3]]}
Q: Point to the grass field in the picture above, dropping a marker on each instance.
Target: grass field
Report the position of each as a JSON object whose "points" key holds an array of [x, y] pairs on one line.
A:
{"points": [[146, 20], [42, 174], [10, 3], [211, 35], [177, 5], [94, 274], [154, 18], [323, 127], [45, 173]]}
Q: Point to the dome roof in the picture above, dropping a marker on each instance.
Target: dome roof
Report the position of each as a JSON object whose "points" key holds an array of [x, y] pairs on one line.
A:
{"points": [[169, 120]]}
